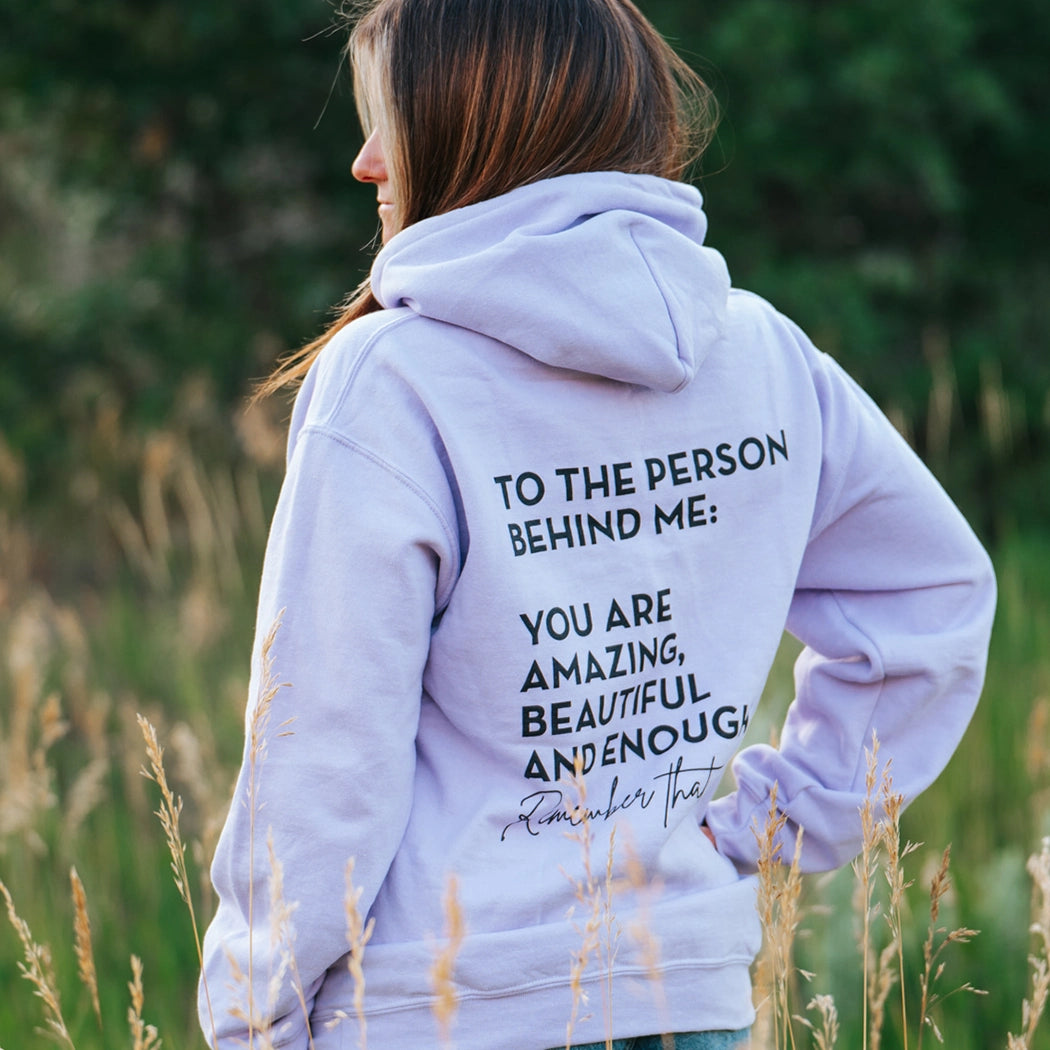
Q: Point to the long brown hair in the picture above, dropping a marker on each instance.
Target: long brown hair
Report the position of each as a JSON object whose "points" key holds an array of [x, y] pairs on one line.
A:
{"points": [[474, 98]]}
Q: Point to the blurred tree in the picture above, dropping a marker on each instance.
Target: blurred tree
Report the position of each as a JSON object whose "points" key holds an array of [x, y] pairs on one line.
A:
{"points": [[173, 189], [880, 176], [175, 195]]}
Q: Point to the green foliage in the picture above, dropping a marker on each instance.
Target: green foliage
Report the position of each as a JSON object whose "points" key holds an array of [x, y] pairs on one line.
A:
{"points": [[876, 176], [991, 804], [176, 210], [168, 202], [176, 649], [175, 194]]}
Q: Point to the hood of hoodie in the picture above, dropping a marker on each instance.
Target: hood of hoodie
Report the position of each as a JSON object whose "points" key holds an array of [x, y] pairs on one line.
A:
{"points": [[603, 273]]}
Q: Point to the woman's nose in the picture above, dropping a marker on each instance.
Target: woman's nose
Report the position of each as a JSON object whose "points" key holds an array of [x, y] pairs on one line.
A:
{"points": [[370, 163]]}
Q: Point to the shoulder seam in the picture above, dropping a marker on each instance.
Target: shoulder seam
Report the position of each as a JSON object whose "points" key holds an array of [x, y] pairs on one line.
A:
{"points": [[359, 361], [398, 475]]}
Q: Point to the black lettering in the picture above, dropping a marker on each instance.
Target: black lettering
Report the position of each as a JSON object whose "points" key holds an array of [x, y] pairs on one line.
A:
{"points": [[655, 471], [568, 673], [679, 474], [538, 488], [702, 723], [534, 770], [702, 463], [586, 719], [561, 633], [534, 679], [595, 526], [636, 746], [567, 763], [533, 628], [724, 725], [590, 486], [553, 535], [516, 540], [724, 453], [586, 630], [752, 464], [697, 513], [646, 655], [628, 522], [670, 735], [647, 694], [617, 617], [567, 473], [503, 481], [675, 794], [661, 518], [775, 446], [536, 543], [561, 723], [669, 648], [533, 722], [624, 483], [616, 671], [594, 669]]}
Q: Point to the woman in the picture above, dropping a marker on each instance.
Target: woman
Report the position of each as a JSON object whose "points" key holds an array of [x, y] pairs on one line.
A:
{"points": [[554, 491]]}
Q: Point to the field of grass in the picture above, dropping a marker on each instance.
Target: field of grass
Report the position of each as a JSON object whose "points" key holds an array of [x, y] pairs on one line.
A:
{"points": [[131, 591]]}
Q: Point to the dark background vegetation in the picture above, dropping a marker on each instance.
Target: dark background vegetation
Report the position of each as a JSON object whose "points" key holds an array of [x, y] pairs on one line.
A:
{"points": [[177, 210], [175, 199]]}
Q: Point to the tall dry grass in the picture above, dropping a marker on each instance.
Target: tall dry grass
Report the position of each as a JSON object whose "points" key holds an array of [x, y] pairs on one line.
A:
{"points": [[358, 934], [1034, 1005], [779, 908], [780, 905], [443, 968], [39, 971], [91, 634], [596, 925], [882, 968], [152, 636]]}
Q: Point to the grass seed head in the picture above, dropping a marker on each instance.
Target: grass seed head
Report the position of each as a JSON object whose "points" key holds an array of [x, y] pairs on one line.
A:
{"points": [[1034, 1006], [358, 934], [39, 971], [82, 942], [143, 1036], [443, 966]]}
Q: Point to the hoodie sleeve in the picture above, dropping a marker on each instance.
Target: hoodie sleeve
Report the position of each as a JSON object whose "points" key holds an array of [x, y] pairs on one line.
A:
{"points": [[355, 568], [894, 603]]}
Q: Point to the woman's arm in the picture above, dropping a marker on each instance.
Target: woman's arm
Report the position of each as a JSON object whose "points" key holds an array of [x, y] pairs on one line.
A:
{"points": [[894, 602], [353, 571]]}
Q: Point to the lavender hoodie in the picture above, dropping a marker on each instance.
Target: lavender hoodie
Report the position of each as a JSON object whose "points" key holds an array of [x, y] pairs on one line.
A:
{"points": [[556, 504]]}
